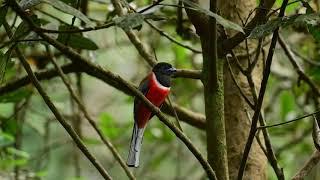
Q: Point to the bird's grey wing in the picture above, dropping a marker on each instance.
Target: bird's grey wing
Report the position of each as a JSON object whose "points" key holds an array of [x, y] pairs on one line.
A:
{"points": [[143, 88]]}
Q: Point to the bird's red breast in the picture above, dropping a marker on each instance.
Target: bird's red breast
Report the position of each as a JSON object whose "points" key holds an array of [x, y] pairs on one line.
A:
{"points": [[156, 94]]}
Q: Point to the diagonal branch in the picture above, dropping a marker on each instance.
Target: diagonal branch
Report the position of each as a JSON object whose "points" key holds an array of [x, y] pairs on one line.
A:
{"points": [[264, 82], [260, 16], [104, 139], [310, 164], [116, 79], [297, 68], [195, 119], [56, 112]]}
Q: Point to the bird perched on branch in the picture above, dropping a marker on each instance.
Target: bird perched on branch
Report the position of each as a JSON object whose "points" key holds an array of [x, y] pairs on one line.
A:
{"points": [[155, 87]]}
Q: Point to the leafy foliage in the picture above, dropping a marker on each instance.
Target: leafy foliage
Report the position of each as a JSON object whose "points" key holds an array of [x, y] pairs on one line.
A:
{"points": [[301, 19], [130, 21], [45, 148], [220, 20], [3, 13], [76, 40], [5, 139], [16, 96]]}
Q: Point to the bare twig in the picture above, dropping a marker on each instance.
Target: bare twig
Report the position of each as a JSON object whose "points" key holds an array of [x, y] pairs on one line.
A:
{"points": [[260, 17], [238, 86], [269, 150], [91, 121], [288, 122], [116, 79], [295, 65], [163, 33], [190, 117], [264, 82], [53, 108], [310, 164]]}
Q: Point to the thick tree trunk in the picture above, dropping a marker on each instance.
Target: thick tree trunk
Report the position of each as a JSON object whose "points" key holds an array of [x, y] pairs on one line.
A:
{"points": [[237, 122]]}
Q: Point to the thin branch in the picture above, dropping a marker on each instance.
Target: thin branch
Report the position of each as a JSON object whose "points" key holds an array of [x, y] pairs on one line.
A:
{"points": [[260, 17], [89, 118], [190, 117], [155, 3], [53, 108], [116, 79], [163, 33], [312, 62], [295, 65], [269, 150], [238, 86], [290, 121], [257, 111], [310, 164], [142, 49], [238, 64], [104, 26]]}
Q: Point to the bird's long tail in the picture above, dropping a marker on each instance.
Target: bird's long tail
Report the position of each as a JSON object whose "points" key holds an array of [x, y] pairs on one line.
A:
{"points": [[135, 146]]}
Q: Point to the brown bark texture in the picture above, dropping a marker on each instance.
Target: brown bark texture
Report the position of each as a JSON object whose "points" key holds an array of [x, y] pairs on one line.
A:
{"points": [[236, 117]]}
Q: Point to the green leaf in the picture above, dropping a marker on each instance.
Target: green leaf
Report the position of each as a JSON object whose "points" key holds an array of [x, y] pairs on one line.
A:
{"points": [[15, 96], [307, 19], [4, 63], [129, 21], [267, 28], [3, 13], [314, 73], [23, 29], [69, 10], [220, 20], [9, 126], [80, 42], [6, 139], [76, 41]]}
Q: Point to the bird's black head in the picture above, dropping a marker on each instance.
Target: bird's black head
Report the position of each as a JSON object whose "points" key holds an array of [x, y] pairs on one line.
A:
{"points": [[164, 69], [163, 72]]}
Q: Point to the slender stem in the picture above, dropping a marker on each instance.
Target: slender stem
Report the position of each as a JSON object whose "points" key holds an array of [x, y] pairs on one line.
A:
{"points": [[55, 111], [118, 81], [195, 119], [290, 121], [295, 65], [308, 166], [264, 82], [91, 121]]}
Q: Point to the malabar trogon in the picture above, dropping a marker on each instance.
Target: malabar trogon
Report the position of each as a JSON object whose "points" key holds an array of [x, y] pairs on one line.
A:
{"points": [[155, 87]]}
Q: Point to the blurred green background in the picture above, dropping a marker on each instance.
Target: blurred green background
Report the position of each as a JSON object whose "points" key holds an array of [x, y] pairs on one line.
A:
{"points": [[47, 152]]}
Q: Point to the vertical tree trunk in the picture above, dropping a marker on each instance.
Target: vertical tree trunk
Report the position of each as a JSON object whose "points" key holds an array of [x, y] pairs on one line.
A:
{"points": [[214, 99], [237, 122]]}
